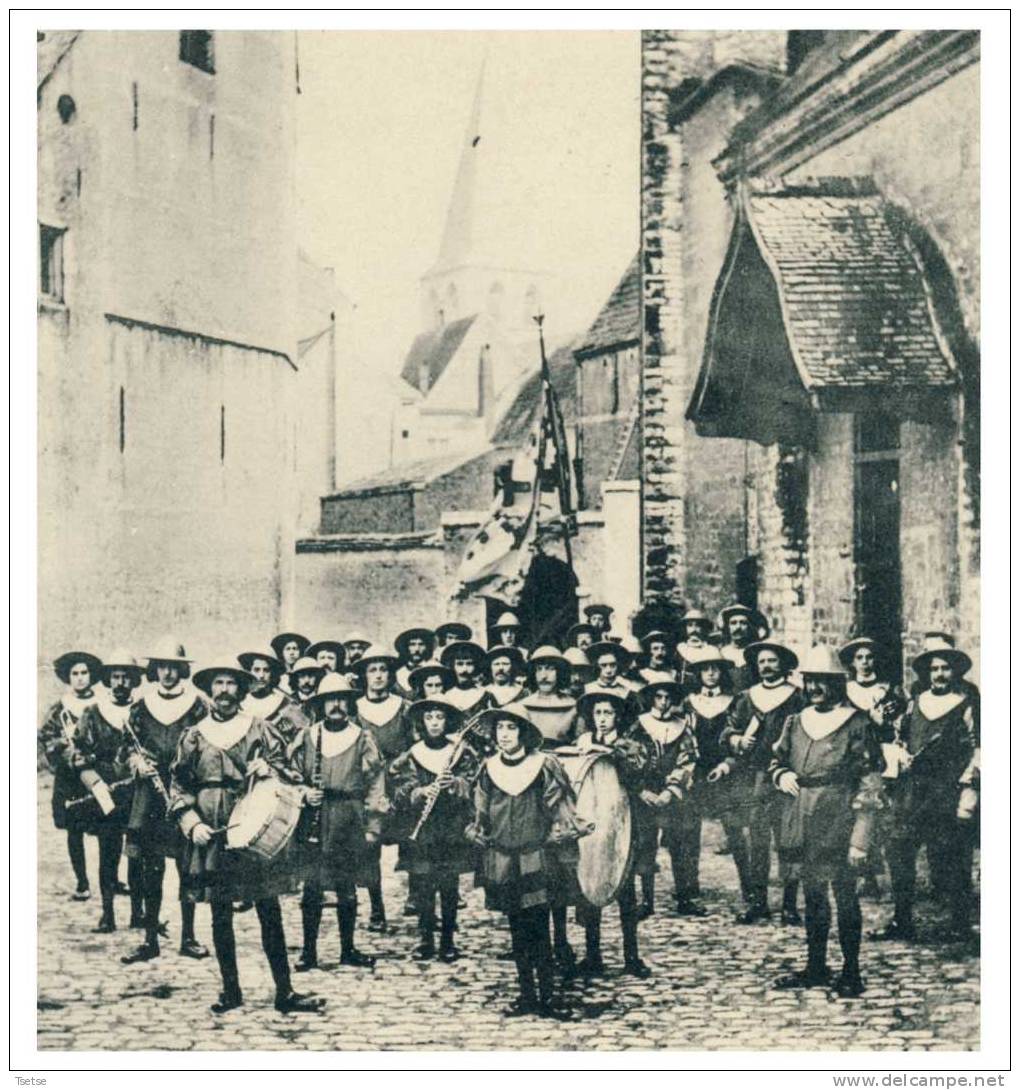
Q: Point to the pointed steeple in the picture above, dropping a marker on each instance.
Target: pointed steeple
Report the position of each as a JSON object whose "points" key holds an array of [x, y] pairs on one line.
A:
{"points": [[458, 244]]}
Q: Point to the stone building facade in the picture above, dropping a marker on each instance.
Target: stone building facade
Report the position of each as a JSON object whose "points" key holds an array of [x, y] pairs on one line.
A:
{"points": [[811, 326], [186, 351]]}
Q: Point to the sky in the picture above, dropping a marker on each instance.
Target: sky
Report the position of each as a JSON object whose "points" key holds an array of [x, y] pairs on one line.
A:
{"points": [[381, 123]]}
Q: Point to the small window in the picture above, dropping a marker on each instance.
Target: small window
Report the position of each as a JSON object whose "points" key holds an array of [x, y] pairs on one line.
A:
{"points": [[51, 263], [197, 49]]}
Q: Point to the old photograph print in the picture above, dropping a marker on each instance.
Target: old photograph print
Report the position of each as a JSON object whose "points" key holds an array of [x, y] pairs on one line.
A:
{"points": [[508, 520]]}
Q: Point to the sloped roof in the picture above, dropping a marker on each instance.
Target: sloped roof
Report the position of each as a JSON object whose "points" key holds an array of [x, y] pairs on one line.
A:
{"points": [[515, 426], [854, 296], [619, 321], [409, 473], [842, 316], [50, 51], [431, 352]]}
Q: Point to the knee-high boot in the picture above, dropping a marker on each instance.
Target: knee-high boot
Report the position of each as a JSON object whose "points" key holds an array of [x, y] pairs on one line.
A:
{"points": [[311, 918], [817, 918]]}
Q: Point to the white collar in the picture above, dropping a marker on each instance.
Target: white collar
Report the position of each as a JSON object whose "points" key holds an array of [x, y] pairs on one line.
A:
{"points": [[934, 707], [651, 676], [75, 704], [515, 779], [223, 735], [865, 697], [335, 742], [114, 714], [662, 731], [462, 699], [263, 707], [767, 698], [733, 654], [167, 711], [379, 712], [549, 701], [505, 694], [818, 725], [710, 706], [432, 760]]}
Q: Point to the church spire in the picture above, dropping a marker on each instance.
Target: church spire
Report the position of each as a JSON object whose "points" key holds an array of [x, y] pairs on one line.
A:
{"points": [[457, 247]]}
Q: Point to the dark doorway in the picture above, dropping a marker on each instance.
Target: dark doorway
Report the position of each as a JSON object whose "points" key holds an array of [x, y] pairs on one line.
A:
{"points": [[879, 587], [548, 605]]}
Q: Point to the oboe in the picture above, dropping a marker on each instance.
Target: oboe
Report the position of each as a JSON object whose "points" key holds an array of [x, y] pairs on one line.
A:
{"points": [[315, 826], [157, 780], [458, 751]]}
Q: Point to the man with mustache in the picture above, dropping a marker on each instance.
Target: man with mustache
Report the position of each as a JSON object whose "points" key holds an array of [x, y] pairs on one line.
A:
{"points": [[99, 756], [414, 646], [506, 667], [216, 760], [158, 721], [740, 626], [304, 680], [265, 699]]}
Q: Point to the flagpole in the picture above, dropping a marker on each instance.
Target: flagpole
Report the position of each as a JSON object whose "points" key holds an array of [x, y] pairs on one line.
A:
{"points": [[562, 457]]}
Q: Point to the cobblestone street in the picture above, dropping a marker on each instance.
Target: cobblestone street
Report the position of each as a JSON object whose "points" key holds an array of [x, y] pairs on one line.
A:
{"points": [[709, 989]]}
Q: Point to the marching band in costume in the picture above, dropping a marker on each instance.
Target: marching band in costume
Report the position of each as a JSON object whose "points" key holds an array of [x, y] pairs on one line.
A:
{"points": [[474, 760]]}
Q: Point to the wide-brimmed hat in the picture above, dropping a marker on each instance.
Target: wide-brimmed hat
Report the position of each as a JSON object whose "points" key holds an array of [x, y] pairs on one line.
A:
{"points": [[462, 647], [577, 659], [417, 632], [377, 653], [598, 607], [549, 654], [708, 655], [822, 661], [122, 659], [531, 736], [575, 630], [756, 619], [648, 690], [338, 649], [787, 659], [506, 619], [697, 616], [589, 700], [609, 647], [168, 649], [418, 675], [280, 641], [939, 648], [458, 629], [333, 685], [357, 637], [62, 665], [247, 658], [454, 716], [306, 665], [204, 678], [849, 649], [513, 653], [656, 634]]}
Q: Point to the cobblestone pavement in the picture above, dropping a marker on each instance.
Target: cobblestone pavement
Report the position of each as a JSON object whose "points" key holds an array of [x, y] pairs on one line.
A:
{"points": [[709, 989]]}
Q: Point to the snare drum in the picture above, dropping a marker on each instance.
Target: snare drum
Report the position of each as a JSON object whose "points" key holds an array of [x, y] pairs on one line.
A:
{"points": [[264, 821], [604, 855]]}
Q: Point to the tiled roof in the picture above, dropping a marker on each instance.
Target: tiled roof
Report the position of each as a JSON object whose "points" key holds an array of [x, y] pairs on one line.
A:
{"points": [[619, 321], [431, 352], [406, 474], [854, 299], [514, 428]]}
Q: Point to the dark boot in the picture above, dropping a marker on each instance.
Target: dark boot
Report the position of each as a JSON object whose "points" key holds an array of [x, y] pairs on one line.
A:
{"points": [[311, 918], [347, 915], [448, 907], [227, 1001], [190, 946], [592, 964], [790, 915], [647, 896], [756, 911], [296, 1003], [632, 962], [377, 916], [107, 923]]}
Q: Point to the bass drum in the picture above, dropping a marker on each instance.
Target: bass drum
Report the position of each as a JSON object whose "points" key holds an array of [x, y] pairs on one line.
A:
{"points": [[601, 799], [263, 822]]}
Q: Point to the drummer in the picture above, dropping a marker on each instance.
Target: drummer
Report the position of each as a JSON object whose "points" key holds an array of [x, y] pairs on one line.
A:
{"points": [[604, 714], [266, 700], [439, 854], [382, 712], [342, 769], [506, 670], [671, 746], [215, 759], [523, 802]]}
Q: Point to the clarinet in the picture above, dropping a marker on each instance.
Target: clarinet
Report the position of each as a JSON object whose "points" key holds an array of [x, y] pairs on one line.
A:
{"points": [[458, 751], [157, 779], [315, 825]]}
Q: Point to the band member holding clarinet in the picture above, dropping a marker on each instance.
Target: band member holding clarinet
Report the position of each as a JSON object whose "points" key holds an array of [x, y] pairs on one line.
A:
{"points": [[754, 723], [217, 760], [342, 769], [79, 671], [431, 785], [153, 730], [99, 757], [523, 806]]}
